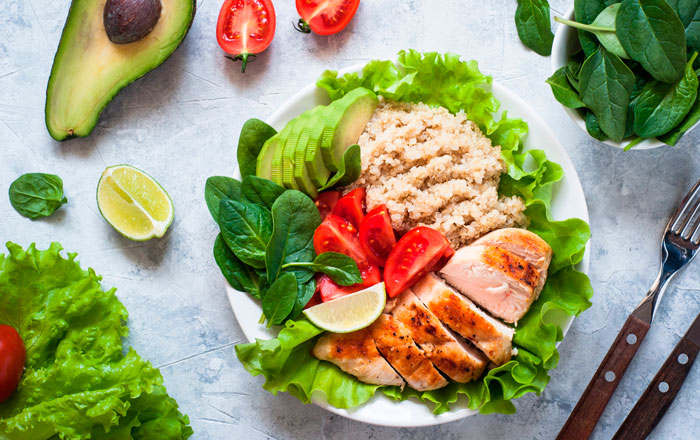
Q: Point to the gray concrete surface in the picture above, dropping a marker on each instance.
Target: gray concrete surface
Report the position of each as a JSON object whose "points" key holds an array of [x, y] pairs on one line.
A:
{"points": [[180, 123]]}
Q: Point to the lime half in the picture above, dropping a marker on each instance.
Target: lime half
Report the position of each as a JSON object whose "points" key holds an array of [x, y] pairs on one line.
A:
{"points": [[351, 312], [134, 203]]}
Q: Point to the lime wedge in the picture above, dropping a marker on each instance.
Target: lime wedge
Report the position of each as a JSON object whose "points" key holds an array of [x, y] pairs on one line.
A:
{"points": [[133, 203], [351, 312]]}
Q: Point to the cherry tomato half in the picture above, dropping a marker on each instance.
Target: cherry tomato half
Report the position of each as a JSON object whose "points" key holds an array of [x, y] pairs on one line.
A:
{"points": [[376, 235], [351, 207], [12, 358], [449, 252], [325, 17], [415, 254], [326, 201], [245, 28]]}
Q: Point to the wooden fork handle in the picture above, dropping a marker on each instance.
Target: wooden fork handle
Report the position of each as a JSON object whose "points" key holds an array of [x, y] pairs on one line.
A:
{"points": [[652, 406], [600, 389]]}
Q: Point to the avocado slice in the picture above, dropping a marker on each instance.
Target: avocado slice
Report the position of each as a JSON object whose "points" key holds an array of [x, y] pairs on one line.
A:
{"points": [[344, 120], [313, 158], [296, 126], [89, 69], [271, 163], [302, 173]]}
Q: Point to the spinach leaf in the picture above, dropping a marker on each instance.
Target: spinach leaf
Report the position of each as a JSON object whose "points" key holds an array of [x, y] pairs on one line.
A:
{"points": [[304, 294], [279, 299], [653, 35], [689, 13], [603, 27], [585, 11], [295, 219], [253, 135], [606, 84], [593, 128], [349, 169], [692, 118], [240, 276], [260, 191], [218, 188], [573, 69], [246, 229], [36, 195], [533, 25], [562, 89], [660, 106], [341, 268]]}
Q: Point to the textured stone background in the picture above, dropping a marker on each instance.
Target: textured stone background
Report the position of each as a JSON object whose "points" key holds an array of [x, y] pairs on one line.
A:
{"points": [[180, 123]]}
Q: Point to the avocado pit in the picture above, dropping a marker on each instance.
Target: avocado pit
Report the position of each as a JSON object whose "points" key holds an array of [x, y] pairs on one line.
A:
{"points": [[126, 21]]}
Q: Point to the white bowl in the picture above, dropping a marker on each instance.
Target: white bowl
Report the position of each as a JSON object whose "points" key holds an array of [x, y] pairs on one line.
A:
{"points": [[567, 201], [566, 43]]}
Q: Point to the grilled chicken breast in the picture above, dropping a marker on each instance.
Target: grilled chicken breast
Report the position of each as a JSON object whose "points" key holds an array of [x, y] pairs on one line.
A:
{"points": [[464, 317], [526, 245], [395, 343], [356, 354], [496, 279], [452, 356]]}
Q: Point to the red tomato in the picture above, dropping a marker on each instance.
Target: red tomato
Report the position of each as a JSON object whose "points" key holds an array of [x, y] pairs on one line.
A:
{"points": [[352, 207], [415, 254], [326, 201], [449, 252], [316, 299], [12, 358], [330, 290], [376, 236], [325, 17], [245, 27]]}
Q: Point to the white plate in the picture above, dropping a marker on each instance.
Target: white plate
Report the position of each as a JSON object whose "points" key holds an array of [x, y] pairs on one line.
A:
{"points": [[568, 202]]}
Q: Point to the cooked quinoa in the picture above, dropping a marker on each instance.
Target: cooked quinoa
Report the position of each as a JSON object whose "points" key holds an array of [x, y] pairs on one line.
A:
{"points": [[433, 168]]}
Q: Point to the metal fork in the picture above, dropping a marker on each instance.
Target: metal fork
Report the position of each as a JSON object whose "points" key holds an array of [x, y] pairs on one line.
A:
{"points": [[680, 243]]}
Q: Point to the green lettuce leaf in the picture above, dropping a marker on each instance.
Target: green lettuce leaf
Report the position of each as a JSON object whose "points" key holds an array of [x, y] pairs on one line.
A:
{"points": [[77, 383], [447, 81]]}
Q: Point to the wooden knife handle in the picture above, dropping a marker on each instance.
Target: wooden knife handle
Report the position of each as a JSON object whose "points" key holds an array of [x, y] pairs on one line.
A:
{"points": [[600, 389], [652, 406]]}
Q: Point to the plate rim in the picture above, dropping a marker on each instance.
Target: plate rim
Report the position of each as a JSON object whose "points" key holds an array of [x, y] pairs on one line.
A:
{"points": [[316, 93]]}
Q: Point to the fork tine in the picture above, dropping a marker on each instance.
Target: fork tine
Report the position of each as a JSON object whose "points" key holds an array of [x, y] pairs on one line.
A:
{"points": [[675, 224], [689, 226]]}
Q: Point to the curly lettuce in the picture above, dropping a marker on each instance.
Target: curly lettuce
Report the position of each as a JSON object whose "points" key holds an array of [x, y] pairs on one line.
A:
{"points": [[78, 383], [445, 80]]}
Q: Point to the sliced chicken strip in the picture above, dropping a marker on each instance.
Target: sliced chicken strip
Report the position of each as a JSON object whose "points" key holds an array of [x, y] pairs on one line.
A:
{"points": [[452, 356], [496, 279], [464, 317], [395, 343], [356, 354], [526, 245]]}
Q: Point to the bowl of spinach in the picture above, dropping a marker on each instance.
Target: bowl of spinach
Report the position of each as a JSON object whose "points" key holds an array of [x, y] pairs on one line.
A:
{"points": [[626, 71]]}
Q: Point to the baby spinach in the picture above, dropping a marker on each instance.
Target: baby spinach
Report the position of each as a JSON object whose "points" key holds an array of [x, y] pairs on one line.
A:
{"points": [[603, 27], [260, 191], [239, 275], [585, 11], [562, 89], [593, 128], [349, 169], [295, 218], [660, 106], [653, 35], [218, 188], [533, 25], [573, 69], [36, 195], [279, 299], [304, 294], [606, 84], [688, 122], [253, 135], [689, 13], [246, 229], [341, 268]]}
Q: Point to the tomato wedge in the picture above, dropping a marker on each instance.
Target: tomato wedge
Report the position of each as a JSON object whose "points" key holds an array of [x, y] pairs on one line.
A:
{"points": [[326, 201], [325, 17], [12, 358], [330, 290], [376, 235], [351, 207], [245, 28], [415, 254]]}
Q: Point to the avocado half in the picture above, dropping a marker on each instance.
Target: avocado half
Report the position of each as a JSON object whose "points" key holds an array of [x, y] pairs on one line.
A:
{"points": [[89, 70]]}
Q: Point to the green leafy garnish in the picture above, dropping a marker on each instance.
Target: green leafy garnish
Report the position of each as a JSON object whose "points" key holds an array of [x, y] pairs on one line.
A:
{"points": [[279, 299], [534, 27], [218, 188], [79, 382], [36, 195], [246, 229], [340, 268], [238, 274], [349, 169], [253, 135], [260, 191], [563, 90]]}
